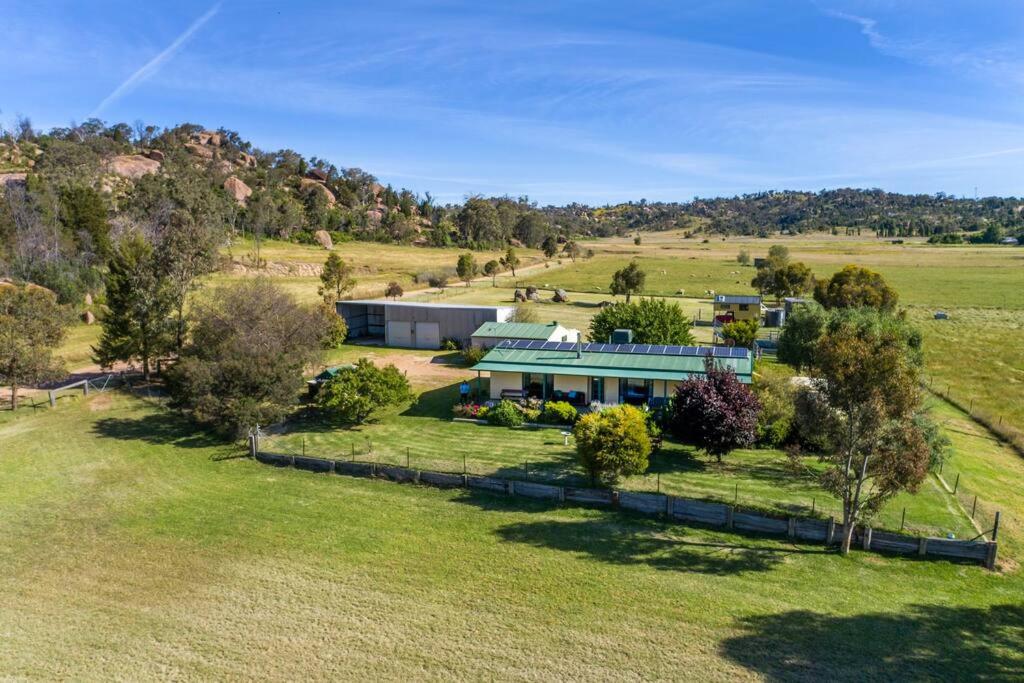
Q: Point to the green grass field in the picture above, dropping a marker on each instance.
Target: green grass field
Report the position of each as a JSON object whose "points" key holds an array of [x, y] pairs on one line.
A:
{"points": [[424, 436], [150, 551]]}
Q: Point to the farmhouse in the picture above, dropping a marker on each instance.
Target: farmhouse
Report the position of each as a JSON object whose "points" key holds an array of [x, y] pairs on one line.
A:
{"points": [[737, 307], [416, 325], [582, 373], [490, 334]]}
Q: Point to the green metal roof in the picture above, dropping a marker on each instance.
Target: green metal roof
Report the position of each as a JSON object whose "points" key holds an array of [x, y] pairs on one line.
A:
{"points": [[635, 365], [516, 330]]}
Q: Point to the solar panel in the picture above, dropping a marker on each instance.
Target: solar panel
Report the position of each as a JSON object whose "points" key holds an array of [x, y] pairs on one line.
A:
{"points": [[657, 350]]}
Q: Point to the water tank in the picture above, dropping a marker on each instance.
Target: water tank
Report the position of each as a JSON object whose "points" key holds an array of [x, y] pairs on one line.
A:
{"points": [[775, 317], [622, 337]]}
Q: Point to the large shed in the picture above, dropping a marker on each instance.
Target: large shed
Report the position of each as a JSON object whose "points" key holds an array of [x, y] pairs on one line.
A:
{"points": [[417, 325]]}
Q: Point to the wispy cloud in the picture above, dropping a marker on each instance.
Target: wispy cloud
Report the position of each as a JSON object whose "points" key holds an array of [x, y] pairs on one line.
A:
{"points": [[154, 65]]}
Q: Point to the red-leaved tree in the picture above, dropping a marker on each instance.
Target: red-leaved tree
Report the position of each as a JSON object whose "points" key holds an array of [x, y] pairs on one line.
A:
{"points": [[716, 413]]}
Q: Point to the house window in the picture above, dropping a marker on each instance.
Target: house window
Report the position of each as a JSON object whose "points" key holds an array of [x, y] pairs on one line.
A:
{"points": [[537, 385], [744, 307], [635, 391], [597, 389]]}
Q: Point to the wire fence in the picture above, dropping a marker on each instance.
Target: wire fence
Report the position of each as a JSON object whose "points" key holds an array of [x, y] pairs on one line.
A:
{"points": [[997, 424], [662, 477]]}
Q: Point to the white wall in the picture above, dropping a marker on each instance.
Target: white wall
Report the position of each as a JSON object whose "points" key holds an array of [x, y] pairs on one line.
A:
{"points": [[571, 334], [573, 383], [505, 380]]}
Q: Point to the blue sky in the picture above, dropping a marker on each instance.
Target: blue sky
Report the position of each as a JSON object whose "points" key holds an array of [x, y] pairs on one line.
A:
{"points": [[561, 101]]}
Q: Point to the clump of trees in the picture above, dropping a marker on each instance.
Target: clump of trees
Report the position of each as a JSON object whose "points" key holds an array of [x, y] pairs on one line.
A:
{"points": [[356, 393], [243, 366], [781, 277], [856, 287], [653, 321], [32, 325], [716, 413], [138, 325], [612, 444]]}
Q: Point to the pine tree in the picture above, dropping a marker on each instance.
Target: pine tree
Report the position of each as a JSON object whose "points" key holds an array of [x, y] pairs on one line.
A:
{"points": [[139, 323]]}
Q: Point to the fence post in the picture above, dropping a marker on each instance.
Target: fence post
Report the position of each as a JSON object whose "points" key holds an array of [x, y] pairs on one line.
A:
{"points": [[729, 513], [791, 530], [974, 507], [956, 484], [85, 388], [867, 539], [903, 520], [990, 557], [53, 399], [995, 528], [830, 534], [922, 545]]}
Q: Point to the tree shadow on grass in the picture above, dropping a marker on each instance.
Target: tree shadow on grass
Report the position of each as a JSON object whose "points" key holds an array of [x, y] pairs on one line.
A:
{"points": [[162, 428], [922, 642], [621, 538]]}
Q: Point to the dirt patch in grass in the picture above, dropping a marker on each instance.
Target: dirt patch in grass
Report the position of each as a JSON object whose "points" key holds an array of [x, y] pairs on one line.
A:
{"points": [[101, 402]]}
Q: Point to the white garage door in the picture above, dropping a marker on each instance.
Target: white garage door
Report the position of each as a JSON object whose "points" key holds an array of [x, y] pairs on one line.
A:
{"points": [[399, 333], [428, 336]]}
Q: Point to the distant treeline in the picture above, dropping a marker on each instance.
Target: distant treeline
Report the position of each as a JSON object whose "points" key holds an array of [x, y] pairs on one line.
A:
{"points": [[847, 211], [67, 195]]}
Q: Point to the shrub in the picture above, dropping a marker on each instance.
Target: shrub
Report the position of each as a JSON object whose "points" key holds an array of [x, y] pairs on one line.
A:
{"points": [[450, 344], [473, 411], [530, 414], [741, 333], [716, 412], [506, 414], [653, 321], [357, 392], [612, 443], [775, 422], [335, 328], [471, 355], [559, 413]]}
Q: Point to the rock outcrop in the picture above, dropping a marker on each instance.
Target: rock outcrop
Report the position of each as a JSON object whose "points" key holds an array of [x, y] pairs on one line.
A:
{"points": [[324, 238], [238, 190], [132, 166], [308, 184], [201, 151], [560, 297], [155, 155], [12, 179]]}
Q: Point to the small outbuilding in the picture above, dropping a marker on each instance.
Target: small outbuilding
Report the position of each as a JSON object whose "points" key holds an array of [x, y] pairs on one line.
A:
{"points": [[491, 334], [737, 306], [416, 325]]}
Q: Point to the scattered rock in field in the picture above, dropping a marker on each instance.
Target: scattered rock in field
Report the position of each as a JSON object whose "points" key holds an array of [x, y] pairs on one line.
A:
{"points": [[88, 299], [247, 160], [324, 238], [132, 166], [519, 296], [560, 297], [238, 190], [88, 318]]}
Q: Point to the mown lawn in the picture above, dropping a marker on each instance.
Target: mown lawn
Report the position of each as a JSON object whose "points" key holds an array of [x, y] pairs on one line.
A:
{"points": [[150, 551], [424, 436]]}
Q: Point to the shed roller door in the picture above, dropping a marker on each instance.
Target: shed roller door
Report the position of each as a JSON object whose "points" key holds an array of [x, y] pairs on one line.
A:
{"points": [[428, 336], [399, 333]]}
